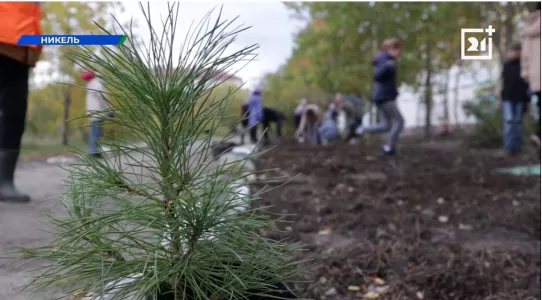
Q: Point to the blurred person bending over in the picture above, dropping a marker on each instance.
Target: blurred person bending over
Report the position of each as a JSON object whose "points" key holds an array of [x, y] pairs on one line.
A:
{"points": [[16, 19], [352, 108], [298, 112], [530, 59], [384, 95], [328, 130], [514, 97], [309, 124]]}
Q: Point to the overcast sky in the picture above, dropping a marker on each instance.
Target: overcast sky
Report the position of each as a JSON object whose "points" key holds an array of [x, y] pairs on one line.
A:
{"points": [[272, 28]]}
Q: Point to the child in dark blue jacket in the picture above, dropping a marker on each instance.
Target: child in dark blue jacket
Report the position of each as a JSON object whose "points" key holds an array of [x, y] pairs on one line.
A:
{"points": [[384, 95]]}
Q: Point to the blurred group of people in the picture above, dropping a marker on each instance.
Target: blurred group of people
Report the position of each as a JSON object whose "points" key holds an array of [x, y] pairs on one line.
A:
{"points": [[519, 83], [342, 119], [322, 127]]}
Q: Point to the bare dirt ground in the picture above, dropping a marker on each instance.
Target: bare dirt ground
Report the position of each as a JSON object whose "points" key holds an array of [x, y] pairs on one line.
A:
{"points": [[436, 222]]}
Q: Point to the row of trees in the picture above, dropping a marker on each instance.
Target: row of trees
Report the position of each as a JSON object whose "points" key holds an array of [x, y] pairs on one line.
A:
{"points": [[335, 49], [332, 53], [55, 104]]}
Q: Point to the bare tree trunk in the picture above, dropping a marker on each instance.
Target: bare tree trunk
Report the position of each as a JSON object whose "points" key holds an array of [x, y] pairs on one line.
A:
{"points": [[66, 116], [428, 94], [456, 95], [370, 112], [446, 102], [418, 110]]}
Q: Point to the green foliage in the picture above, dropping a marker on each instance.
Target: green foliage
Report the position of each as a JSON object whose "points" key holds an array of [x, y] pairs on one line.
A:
{"points": [[46, 103], [488, 127], [334, 51], [45, 108], [123, 209]]}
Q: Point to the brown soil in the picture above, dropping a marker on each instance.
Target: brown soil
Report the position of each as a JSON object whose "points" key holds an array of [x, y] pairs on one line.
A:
{"points": [[362, 216]]}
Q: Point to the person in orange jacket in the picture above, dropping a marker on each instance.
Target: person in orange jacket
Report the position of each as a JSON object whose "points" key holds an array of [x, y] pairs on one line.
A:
{"points": [[18, 18]]}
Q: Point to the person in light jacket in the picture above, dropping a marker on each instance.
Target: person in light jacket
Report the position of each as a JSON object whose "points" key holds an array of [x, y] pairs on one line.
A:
{"points": [[385, 93], [255, 108], [96, 106], [530, 59]]}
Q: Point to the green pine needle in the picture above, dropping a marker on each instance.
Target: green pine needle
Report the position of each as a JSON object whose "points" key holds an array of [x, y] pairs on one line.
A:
{"points": [[122, 209]]}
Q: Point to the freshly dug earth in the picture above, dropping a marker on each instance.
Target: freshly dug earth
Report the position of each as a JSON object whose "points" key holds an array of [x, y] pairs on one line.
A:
{"points": [[432, 223]]}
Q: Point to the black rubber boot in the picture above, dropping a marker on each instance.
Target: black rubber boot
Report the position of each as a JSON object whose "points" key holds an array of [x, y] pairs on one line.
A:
{"points": [[8, 192]]}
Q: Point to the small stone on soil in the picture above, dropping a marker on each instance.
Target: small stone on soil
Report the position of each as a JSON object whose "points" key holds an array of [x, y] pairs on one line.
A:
{"points": [[325, 231], [428, 212], [440, 200], [443, 219], [331, 292], [353, 288], [465, 227]]}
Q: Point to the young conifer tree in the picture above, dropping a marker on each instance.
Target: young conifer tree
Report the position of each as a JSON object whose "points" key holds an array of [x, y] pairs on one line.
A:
{"points": [[155, 221]]}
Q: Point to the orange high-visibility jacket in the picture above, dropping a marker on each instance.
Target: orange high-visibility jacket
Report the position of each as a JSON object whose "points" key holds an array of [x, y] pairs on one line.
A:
{"points": [[19, 18]]}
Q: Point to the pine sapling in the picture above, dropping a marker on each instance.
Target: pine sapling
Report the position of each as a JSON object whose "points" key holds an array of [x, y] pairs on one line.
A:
{"points": [[161, 222]]}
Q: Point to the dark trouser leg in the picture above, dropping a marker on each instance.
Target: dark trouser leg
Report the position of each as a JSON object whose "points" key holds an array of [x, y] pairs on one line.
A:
{"points": [[352, 129], [266, 128], [13, 104], [243, 131], [539, 117], [244, 123], [254, 134]]}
